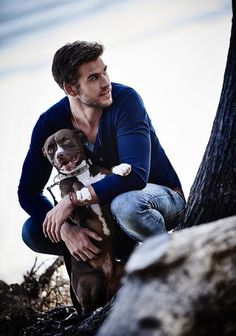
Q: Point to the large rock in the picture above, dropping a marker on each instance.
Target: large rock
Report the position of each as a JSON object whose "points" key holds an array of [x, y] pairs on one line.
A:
{"points": [[184, 284]]}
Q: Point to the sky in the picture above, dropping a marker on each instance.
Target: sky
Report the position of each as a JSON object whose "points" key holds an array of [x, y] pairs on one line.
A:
{"points": [[173, 52]]}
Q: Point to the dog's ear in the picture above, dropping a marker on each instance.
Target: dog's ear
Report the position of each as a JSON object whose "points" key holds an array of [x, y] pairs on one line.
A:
{"points": [[44, 151], [82, 137]]}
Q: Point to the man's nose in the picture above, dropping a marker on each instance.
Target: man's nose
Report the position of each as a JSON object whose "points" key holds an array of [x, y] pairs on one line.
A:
{"points": [[105, 81]]}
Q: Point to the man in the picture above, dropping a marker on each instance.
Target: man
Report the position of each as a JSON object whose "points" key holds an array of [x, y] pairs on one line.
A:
{"points": [[113, 117]]}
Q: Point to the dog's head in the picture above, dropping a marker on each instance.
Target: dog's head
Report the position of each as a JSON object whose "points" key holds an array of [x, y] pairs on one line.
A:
{"points": [[64, 149]]}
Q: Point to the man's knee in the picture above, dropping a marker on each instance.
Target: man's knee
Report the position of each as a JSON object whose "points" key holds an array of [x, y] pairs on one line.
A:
{"points": [[33, 237], [135, 215], [27, 234], [124, 208], [129, 211]]}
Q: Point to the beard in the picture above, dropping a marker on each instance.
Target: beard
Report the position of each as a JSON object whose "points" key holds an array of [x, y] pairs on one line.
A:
{"points": [[97, 102]]}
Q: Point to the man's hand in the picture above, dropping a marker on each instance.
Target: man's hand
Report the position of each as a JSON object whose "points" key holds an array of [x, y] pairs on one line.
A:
{"points": [[56, 217], [77, 240]]}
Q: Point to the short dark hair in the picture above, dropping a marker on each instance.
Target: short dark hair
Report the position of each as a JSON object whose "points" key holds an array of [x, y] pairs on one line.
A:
{"points": [[68, 58]]}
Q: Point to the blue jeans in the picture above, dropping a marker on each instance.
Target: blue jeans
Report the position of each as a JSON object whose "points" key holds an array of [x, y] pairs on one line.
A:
{"points": [[140, 214], [33, 237]]}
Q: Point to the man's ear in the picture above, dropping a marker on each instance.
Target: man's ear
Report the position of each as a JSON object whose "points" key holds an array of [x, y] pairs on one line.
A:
{"points": [[70, 90]]}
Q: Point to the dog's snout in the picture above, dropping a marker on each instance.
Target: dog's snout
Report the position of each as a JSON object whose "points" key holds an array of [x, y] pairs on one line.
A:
{"points": [[59, 155], [59, 152]]}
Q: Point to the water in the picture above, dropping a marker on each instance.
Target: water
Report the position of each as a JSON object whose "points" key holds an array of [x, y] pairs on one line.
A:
{"points": [[172, 52]]}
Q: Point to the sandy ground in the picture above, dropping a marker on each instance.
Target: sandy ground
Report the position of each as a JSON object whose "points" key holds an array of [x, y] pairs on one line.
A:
{"points": [[173, 52]]}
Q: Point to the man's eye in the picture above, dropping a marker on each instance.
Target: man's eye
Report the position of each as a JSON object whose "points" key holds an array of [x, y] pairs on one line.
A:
{"points": [[93, 78]]}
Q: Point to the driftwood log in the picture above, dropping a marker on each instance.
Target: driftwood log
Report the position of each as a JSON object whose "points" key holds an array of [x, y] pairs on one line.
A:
{"points": [[179, 285]]}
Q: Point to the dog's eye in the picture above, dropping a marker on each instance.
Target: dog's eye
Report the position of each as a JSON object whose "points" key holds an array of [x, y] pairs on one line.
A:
{"points": [[66, 141], [50, 150]]}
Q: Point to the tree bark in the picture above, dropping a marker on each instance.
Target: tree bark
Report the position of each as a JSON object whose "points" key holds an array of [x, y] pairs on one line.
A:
{"points": [[213, 194]]}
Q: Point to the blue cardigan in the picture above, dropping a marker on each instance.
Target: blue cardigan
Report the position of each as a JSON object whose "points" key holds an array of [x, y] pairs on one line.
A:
{"points": [[125, 135]]}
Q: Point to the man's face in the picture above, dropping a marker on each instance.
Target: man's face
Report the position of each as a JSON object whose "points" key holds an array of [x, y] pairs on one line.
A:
{"points": [[94, 87]]}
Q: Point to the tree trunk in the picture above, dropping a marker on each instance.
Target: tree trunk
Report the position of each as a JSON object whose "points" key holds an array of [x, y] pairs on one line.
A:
{"points": [[213, 194]]}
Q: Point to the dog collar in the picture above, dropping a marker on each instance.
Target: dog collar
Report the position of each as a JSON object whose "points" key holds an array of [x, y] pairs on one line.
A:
{"points": [[76, 171], [62, 176]]}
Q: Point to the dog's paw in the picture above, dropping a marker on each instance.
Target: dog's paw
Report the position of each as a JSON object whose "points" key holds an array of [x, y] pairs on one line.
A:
{"points": [[83, 195], [122, 169]]}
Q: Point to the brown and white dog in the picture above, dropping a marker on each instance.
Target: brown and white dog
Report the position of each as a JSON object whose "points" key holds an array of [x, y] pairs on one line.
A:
{"points": [[95, 281]]}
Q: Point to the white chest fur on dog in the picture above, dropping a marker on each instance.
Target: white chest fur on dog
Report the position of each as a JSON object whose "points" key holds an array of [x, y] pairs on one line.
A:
{"points": [[87, 179], [84, 194]]}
